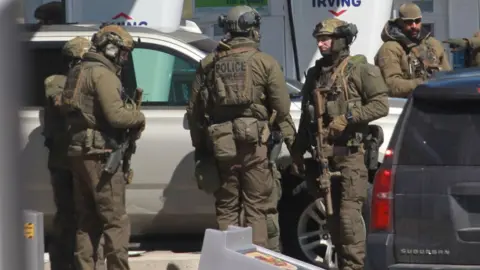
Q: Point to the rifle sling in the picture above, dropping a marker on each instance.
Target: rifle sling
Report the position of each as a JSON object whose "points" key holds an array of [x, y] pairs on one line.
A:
{"points": [[338, 70]]}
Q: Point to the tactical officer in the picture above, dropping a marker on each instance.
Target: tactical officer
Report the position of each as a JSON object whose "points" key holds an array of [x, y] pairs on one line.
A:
{"points": [[470, 46], [409, 54], [237, 88], [354, 95], [50, 13], [56, 140], [98, 119]]}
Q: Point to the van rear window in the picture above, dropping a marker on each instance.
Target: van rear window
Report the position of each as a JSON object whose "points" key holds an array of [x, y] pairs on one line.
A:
{"points": [[441, 132]]}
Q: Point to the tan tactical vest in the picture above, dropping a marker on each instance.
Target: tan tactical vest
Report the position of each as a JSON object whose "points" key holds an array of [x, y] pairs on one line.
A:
{"points": [[422, 59], [339, 99], [77, 97], [88, 135], [232, 93]]}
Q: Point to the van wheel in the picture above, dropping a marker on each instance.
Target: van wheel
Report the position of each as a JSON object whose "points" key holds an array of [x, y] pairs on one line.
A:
{"points": [[304, 233]]}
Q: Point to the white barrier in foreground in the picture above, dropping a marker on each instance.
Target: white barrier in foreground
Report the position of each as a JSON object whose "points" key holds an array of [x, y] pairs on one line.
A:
{"points": [[233, 249]]}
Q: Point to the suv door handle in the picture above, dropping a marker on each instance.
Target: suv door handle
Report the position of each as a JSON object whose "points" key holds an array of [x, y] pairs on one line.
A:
{"points": [[469, 234], [465, 189]]}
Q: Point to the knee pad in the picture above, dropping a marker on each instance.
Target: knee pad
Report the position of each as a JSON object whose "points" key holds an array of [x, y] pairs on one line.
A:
{"points": [[273, 230], [273, 227]]}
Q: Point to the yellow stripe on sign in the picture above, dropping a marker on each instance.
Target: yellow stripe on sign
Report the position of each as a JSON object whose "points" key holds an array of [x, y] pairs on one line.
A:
{"points": [[29, 230]]}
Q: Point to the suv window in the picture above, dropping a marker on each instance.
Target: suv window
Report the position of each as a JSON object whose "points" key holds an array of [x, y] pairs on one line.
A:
{"points": [[165, 75], [42, 59], [441, 132]]}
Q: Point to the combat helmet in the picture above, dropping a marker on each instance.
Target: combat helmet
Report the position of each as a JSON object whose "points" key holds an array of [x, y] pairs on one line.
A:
{"points": [[240, 19], [335, 28], [115, 35], [341, 32], [327, 27], [76, 47]]}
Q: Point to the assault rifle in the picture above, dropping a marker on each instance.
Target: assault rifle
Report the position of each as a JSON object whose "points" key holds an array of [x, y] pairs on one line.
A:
{"points": [[123, 153], [319, 154]]}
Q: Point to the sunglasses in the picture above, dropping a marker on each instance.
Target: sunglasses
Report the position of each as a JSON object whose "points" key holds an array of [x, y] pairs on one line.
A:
{"points": [[410, 22]]}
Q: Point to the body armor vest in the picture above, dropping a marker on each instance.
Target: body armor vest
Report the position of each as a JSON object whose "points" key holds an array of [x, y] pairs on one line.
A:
{"points": [[77, 98], [422, 61], [233, 79], [337, 87], [231, 92], [339, 101]]}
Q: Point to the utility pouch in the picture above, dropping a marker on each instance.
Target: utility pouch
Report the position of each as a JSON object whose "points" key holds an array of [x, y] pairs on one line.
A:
{"points": [[333, 108], [207, 175], [246, 129], [221, 136]]}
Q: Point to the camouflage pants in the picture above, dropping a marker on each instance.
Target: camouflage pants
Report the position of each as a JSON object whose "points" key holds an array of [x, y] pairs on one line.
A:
{"points": [[100, 205], [62, 243], [346, 226], [247, 183]]}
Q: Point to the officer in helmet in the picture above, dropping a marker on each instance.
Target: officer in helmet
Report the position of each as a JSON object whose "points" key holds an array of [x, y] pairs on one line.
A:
{"points": [[236, 91], [98, 121], [353, 94], [55, 131]]}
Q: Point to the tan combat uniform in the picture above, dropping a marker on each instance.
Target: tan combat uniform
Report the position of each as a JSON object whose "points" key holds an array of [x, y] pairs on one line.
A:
{"points": [[95, 131], [62, 239], [398, 62], [55, 131], [227, 126], [367, 95], [473, 51], [357, 95]]}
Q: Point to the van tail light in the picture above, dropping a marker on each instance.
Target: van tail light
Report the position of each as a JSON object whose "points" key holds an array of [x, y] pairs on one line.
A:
{"points": [[381, 217]]}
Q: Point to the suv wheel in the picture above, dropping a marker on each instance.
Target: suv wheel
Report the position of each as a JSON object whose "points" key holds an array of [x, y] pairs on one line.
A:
{"points": [[304, 232], [313, 236]]}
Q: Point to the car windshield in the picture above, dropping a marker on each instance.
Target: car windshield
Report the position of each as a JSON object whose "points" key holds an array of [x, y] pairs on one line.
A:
{"points": [[208, 45]]}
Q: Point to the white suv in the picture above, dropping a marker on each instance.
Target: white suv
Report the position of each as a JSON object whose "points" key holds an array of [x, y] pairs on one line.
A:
{"points": [[163, 197]]}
